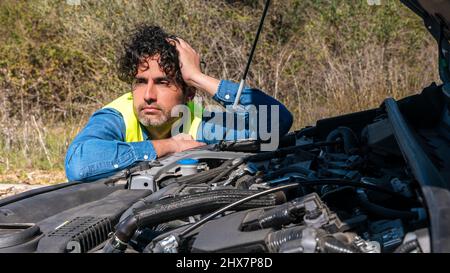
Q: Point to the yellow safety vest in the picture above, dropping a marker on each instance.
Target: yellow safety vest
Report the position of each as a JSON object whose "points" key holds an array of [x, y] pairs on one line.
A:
{"points": [[133, 131]]}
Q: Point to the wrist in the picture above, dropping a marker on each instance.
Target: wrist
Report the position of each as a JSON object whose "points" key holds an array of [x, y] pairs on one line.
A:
{"points": [[174, 146], [165, 146], [196, 80]]}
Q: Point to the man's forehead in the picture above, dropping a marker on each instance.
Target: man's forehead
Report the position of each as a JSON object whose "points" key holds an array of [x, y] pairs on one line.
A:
{"points": [[150, 65]]}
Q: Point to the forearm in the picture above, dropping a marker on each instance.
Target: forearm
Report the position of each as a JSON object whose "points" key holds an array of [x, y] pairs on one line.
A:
{"points": [[164, 146], [205, 83], [96, 158]]}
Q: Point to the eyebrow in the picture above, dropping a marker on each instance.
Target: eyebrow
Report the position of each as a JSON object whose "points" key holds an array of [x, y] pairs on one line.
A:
{"points": [[160, 79], [157, 80], [139, 79]]}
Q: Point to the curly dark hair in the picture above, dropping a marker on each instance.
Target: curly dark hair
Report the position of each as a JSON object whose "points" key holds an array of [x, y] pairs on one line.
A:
{"points": [[147, 41]]}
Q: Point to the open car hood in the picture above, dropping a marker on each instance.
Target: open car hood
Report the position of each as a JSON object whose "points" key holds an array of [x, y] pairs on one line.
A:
{"points": [[435, 13], [436, 16]]}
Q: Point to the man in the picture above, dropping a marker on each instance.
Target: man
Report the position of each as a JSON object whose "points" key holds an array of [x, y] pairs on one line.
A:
{"points": [[164, 72]]}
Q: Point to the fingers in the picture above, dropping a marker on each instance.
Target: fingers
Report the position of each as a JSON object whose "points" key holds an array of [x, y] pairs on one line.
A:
{"points": [[183, 137], [189, 60], [188, 46], [190, 144], [172, 41], [184, 44], [186, 144], [180, 43]]}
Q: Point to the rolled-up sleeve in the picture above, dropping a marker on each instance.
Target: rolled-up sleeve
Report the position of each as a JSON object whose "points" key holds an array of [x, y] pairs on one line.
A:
{"points": [[214, 131], [99, 150]]}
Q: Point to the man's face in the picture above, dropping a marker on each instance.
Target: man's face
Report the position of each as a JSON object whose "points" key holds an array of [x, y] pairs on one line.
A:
{"points": [[154, 94]]}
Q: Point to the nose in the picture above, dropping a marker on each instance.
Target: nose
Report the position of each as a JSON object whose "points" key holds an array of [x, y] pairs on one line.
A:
{"points": [[150, 92]]}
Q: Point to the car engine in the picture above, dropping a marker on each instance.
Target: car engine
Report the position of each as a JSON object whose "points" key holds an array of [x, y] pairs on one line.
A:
{"points": [[347, 193]]}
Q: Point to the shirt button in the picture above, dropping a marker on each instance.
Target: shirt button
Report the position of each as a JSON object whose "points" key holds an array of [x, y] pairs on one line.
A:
{"points": [[227, 96], [145, 157], [116, 166]]}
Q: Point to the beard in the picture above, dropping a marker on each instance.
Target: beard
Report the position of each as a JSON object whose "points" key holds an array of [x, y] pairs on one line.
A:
{"points": [[154, 119]]}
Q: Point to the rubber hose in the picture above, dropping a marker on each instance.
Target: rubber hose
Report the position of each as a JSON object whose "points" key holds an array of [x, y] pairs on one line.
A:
{"points": [[199, 203], [350, 141], [385, 212], [290, 169], [276, 239], [188, 205]]}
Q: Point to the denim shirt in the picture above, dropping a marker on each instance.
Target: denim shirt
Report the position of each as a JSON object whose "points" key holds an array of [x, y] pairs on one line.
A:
{"points": [[100, 150]]}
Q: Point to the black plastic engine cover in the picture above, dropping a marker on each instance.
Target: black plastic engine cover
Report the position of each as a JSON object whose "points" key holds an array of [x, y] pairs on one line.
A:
{"points": [[224, 235]]}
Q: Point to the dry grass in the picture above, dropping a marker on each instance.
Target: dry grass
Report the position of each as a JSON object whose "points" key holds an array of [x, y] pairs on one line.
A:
{"points": [[320, 58], [34, 177]]}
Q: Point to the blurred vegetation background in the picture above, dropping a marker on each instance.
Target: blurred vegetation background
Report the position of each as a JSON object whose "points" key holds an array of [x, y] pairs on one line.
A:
{"points": [[319, 57]]}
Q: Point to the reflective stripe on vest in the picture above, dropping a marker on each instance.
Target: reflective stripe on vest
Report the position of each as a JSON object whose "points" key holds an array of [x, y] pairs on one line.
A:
{"points": [[133, 130]]}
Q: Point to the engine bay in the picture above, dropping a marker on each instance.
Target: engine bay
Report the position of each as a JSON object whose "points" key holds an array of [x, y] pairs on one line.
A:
{"points": [[341, 199]]}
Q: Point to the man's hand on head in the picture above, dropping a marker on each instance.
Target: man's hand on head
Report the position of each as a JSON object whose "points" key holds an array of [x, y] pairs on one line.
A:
{"points": [[191, 71], [189, 61], [175, 144]]}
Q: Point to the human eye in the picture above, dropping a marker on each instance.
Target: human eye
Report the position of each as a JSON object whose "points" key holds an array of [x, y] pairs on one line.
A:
{"points": [[164, 82]]}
